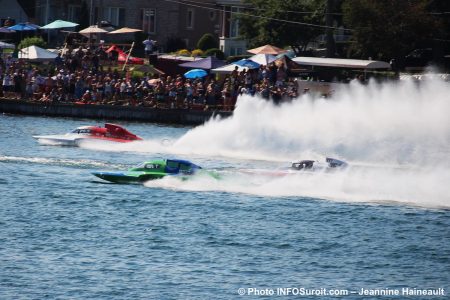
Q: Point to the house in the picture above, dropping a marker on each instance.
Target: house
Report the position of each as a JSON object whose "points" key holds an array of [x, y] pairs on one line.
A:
{"points": [[230, 42], [163, 21], [16, 11]]}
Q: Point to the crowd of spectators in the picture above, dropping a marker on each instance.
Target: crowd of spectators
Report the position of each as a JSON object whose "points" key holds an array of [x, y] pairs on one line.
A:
{"points": [[88, 76]]}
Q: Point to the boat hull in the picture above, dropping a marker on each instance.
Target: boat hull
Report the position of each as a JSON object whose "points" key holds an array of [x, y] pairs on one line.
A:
{"points": [[62, 140], [128, 177], [75, 140]]}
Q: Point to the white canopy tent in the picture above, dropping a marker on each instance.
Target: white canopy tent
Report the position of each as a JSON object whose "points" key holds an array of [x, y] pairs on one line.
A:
{"points": [[228, 69], [4, 45], [36, 53], [263, 59], [342, 63]]}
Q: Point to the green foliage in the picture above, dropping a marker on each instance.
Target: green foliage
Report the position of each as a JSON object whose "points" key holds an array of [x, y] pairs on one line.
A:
{"points": [[386, 29], [261, 31], [184, 52], [30, 41], [215, 52], [207, 41], [197, 52]]}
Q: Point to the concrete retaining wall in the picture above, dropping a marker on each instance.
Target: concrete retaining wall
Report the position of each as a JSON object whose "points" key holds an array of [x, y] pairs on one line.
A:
{"points": [[172, 116]]}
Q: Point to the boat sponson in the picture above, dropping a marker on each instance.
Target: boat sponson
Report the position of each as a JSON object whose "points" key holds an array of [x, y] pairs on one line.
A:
{"points": [[128, 177]]}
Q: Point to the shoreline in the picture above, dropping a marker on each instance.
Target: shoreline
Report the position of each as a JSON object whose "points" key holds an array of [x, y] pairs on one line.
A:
{"points": [[128, 113]]}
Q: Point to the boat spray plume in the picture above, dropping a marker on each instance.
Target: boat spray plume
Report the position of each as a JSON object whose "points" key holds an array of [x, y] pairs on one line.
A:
{"points": [[397, 133]]}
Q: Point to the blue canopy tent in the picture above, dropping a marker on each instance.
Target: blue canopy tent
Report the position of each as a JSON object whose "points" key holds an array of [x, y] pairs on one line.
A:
{"points": [[207, 63], [247, 63]]}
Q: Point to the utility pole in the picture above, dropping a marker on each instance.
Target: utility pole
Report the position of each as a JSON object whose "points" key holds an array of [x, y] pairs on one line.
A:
{"points": [[331, 46], [91, 13]]}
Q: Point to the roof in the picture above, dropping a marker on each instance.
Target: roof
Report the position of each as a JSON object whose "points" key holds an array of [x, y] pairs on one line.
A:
{"points": [[342, 63], [28, 6], [228, 69], [36, 53], [176, 57], [207, 63]]}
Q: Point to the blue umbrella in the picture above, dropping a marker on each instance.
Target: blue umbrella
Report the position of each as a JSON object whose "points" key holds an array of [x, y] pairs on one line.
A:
{"points": [[247, 63], [24, 27], [195, 73]]}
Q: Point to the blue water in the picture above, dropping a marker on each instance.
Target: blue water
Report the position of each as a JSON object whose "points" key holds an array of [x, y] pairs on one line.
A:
{"points": [[65, 235]]}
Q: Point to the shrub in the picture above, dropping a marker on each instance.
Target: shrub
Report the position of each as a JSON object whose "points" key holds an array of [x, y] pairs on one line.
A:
{"points": [[197, 52], [184, 52], [30, 41], [207, 41], [215, 52]]}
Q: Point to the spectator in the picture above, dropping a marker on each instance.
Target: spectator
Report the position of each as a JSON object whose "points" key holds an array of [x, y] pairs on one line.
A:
{"points": [[149, 44]]}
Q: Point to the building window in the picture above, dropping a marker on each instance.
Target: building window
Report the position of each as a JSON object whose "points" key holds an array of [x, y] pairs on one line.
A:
{"points": [[148, 20], [234, 22], [115, 15], [190, 18], [212, 15], [74, 13]]}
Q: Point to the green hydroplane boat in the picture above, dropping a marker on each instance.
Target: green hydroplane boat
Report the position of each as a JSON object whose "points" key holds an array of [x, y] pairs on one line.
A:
{"points": [[151, 170]]}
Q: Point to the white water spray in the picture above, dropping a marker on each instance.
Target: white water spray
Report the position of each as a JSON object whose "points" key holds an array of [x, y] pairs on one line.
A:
{"points": [[388, 123], [396, 137], [398, 134]]}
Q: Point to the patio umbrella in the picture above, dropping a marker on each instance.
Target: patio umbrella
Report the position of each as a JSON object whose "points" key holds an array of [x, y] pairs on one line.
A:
{"points": [[89, 31], [93, 29], [195, 73], [59, 24], [247, 63], [267, 49], [6, 30], [6, 45], [24, 27], [125, 30]]}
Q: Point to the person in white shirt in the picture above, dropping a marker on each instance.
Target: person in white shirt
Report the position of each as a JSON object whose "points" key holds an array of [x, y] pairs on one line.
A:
{"points": [[149, 43]]}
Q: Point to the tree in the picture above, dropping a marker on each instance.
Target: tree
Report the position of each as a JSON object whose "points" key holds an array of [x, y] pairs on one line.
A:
{"points": [[262, 28], [386, 29], [215, 52], [32, 41], [207, 41]]}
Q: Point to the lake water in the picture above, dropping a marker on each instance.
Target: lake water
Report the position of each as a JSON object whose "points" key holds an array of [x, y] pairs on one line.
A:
{"points": [[382, 224]]}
